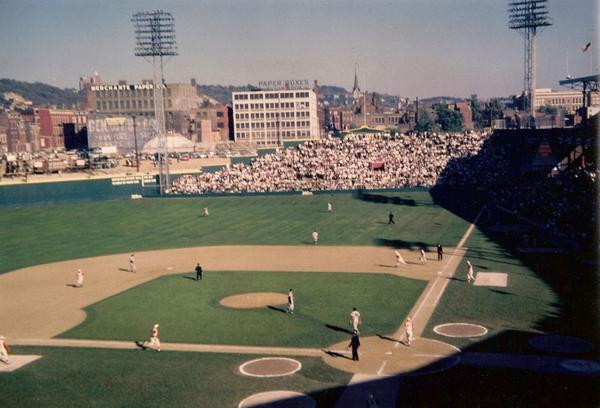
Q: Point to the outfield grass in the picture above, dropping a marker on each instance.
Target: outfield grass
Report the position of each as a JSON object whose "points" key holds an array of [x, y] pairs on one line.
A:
{"points": [[44, 234], [189, 311], [79, 377]]}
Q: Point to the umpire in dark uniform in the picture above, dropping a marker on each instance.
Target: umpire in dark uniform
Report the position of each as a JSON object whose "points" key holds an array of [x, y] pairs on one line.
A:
{"points": [[199, 271], [355, 344]]}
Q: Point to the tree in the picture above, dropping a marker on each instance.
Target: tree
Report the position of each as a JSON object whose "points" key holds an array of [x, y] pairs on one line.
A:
{"points": [[424, 122], [477, 111], [495, 109], [449, 120]]}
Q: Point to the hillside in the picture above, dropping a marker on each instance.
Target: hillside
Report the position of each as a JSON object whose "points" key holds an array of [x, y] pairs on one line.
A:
{"points": [[222, 93], [39, 93]]}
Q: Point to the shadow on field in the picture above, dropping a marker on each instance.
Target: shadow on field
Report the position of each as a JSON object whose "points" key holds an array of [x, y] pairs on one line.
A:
{"points": [[398, 243], [338, 329], [336, 354], [189, 277], [501, 370], [393, 340], [382, 199], [277, 309]]}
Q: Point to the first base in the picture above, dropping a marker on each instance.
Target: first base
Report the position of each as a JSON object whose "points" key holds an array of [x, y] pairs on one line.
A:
{"points": [[491, 279]]}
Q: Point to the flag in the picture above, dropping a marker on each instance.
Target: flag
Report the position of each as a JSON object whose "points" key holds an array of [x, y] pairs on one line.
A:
{"points": [[587, 47]]}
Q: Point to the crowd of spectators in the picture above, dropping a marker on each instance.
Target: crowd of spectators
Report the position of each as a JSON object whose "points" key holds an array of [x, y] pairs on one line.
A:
{"points": [[366, 162], [562, 203], [558, 202]]}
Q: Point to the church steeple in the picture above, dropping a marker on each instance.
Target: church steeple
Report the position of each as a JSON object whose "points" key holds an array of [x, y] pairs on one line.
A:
{"points": [[355, 89]]}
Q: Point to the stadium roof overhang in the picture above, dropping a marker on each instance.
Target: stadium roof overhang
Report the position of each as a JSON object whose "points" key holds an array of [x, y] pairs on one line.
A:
{"points": [[589, 82]]}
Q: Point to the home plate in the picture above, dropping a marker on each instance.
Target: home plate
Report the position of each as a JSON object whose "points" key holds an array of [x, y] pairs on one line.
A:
{"points": [[17, 362], [491, 279]]}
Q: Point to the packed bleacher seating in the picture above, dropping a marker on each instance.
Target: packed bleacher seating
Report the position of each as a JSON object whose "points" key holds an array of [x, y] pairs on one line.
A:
{"points": [[335, 164]]}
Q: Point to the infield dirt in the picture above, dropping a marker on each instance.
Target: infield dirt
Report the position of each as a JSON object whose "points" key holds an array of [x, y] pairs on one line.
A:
{"points": [[37, 302]]}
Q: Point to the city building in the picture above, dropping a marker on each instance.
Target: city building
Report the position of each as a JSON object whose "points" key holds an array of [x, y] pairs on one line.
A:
{"points": [[17, 134], [464, 108], [569, 100], [138, 100], [118, 133], [52, 121], [271, 117], [213, 123]]}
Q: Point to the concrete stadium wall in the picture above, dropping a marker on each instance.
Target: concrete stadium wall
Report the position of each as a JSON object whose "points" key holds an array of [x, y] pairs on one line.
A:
{"points": [[243, 160]]}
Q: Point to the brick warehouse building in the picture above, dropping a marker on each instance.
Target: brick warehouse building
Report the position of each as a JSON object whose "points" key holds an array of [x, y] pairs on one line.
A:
{"points": [[51, 123]]}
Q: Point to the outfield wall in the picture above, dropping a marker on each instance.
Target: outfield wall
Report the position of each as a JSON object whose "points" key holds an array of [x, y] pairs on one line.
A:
{"points": [[122, 187], [63, 192]]}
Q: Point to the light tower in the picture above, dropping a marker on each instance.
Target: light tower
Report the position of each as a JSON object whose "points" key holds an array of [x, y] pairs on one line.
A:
{"points": [[155, 37], [527, 16]]}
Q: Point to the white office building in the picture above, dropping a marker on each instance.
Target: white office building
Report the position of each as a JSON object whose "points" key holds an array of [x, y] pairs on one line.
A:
{"points": [[270, 118]]}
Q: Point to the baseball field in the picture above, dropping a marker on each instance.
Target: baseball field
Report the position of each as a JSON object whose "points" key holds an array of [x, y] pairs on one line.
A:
{"points": [[511, 340]]}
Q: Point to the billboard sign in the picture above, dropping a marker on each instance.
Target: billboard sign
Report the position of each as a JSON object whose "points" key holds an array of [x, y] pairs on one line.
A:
{"points": [[105, 130], [273, 85]]}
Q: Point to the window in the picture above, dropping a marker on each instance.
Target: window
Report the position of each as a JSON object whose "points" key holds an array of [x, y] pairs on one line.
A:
{"points": [[219, 114]]}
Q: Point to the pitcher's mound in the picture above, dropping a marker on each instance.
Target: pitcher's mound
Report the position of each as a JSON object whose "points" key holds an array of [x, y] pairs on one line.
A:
{"points": [[270, 367], [278, 399], [254, 300], [460, 330]]}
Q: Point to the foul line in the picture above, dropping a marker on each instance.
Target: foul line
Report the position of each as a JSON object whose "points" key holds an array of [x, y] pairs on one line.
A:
{"points": [[441, 273], [202, 348]]}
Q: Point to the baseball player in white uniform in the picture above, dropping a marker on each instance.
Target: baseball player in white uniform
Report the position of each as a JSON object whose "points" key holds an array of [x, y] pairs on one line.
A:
{"points": [[132, 263], [154, 342], [408, 330], [423, 257], [4, 349], [355, 319], [315, 237], [470, 275], [79, 279], [329, 207], [206, 211], [399, 259], [290, 308]]}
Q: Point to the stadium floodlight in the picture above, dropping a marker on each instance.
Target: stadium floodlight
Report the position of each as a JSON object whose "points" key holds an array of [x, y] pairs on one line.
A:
{"points": [[155, 37], [527, 17]]}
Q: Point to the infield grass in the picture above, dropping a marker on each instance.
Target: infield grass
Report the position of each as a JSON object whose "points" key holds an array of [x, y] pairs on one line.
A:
{"points": [[80, 377], [190, 312], [45, 234]]}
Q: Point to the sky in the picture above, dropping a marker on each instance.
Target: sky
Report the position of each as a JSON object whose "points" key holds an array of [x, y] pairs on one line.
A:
{"points": [[402, 47]]}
